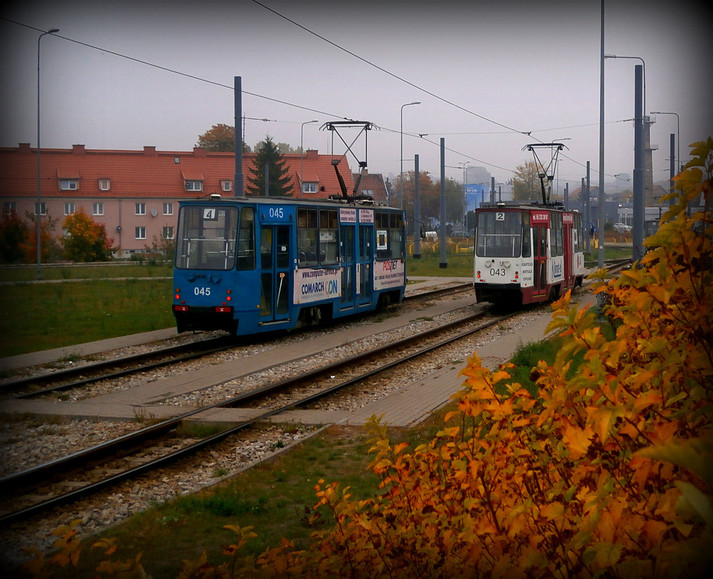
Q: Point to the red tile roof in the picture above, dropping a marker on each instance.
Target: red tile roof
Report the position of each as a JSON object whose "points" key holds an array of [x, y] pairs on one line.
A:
{"points": [[151, 173]]}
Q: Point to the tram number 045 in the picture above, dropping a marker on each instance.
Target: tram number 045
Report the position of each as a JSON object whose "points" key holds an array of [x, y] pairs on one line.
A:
{"points": [[201, 291], [497, 271]]}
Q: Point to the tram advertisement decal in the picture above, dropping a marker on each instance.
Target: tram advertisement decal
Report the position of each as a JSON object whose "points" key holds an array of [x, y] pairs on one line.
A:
{"points": [[389, 273], [312, 285]]}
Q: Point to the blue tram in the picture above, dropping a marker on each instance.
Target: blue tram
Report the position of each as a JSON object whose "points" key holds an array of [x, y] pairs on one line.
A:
{"points": [[251, 265], [527, 253]]}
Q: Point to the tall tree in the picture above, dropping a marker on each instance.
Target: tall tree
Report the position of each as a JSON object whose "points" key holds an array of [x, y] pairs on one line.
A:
{"points": [[220, 138], [526, 183], [430, 197], [84, 239], [279, 181]]}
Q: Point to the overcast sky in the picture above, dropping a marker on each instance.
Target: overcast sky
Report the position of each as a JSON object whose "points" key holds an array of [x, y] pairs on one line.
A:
{"points": [[484, 71]]}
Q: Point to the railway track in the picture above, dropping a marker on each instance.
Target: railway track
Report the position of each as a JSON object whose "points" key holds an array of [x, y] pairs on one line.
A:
{"points": [[69, 479], [307, 388], [86, 374]]}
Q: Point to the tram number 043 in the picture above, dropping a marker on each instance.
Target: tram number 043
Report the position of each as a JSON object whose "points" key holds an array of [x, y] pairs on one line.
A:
{"points": [[497, 271], [201, 291]]}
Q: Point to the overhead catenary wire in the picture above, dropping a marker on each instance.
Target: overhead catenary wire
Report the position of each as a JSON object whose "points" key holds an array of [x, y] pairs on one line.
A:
{"points": [[508, 129]]}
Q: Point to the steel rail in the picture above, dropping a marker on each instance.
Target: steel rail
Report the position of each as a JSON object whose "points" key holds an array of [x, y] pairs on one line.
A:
{"points": [[42, 474]]}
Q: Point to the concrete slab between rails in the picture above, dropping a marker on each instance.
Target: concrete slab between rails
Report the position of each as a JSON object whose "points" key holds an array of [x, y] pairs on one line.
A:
{"points": [[88, 349], [416, 401], [90, 410]]}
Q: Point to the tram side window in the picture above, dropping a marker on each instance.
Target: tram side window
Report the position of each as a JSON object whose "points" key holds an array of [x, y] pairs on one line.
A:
{"points": [[246, 239], [499, 234], [579, 233], [396, 237], [556, 235], [307, 237], [206, 237], [328, 237], [389, 235]]}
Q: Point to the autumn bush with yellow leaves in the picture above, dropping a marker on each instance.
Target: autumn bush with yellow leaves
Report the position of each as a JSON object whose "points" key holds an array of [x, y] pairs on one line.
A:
{"points": [[607, 471]]}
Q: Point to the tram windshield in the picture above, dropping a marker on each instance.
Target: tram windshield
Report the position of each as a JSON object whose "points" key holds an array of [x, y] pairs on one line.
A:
{"points": [[500, 234], [206, 237]]}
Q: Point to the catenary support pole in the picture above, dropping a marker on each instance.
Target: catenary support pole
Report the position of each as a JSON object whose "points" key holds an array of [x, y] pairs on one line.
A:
{"points": [[444, 262], [639, 210], [416, 211], [238, 112]]}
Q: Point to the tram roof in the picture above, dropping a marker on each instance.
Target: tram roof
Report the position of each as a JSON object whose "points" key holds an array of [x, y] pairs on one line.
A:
{"points": [[335, 202]]}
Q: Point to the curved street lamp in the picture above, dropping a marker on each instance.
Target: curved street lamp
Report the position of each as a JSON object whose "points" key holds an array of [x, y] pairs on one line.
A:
{"points": [[38, 217]]}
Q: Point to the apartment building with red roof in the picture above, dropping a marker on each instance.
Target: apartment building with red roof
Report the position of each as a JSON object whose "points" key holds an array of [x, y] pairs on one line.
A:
{"points": [[135, 194]]}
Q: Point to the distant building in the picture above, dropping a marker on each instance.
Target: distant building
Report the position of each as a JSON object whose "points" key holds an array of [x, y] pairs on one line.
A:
{"points": [[135, 194], [372, 185]]}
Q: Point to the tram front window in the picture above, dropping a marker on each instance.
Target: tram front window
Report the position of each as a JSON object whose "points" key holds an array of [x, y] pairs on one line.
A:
{"points": [[499, 234], [206, 237]]}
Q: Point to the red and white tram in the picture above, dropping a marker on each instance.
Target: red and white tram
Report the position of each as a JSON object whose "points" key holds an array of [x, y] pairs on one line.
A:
{"points": [[527, 253]]}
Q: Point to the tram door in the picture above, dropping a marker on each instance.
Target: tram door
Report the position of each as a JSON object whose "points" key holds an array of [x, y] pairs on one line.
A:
{"points": [[276, 286], [348, 266], [539, 242], [366, 256]]}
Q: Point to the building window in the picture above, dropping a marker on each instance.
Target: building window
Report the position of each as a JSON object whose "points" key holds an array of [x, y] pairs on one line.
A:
{"points": [[141, 209], [69, 208], [104, 184], [168, 232], [140, 232], [168, 208], [68, 184], [43, 208], [194, 185], [98, 208], [9, 207], [226, 185], [309, 187]]}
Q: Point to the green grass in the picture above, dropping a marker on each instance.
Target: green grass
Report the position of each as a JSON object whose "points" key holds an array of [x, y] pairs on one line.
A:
{"points": [[429, 264], [37, 317], [96, 271], [41, 316], [276, 497]]}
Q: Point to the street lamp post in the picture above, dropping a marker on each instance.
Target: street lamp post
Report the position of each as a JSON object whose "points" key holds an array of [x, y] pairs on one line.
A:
{"points": [[678, 137], [302, 151], [643, 68], [38, 217], [401, 157], [602, 213]]}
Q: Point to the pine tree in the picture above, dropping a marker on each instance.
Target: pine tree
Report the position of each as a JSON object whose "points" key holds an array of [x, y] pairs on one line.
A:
{"points": [[280, 183]]}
